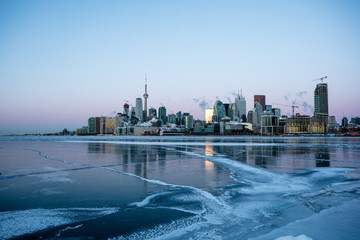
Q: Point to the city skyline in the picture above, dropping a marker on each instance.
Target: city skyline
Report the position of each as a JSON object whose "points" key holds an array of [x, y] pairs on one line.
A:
{"points": [[62, 62]]}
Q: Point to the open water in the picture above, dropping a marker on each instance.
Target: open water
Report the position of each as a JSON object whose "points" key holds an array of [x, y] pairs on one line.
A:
{"points": [[179, 187]]}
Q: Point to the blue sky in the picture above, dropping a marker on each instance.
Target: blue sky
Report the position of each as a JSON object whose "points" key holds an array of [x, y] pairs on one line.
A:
{"points": [[64, 61]]}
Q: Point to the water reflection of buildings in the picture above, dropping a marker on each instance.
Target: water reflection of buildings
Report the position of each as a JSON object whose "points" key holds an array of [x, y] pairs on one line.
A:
{"points": [[165, 163], [131, 157], [288, 156], [322, 157], [209, 151]]}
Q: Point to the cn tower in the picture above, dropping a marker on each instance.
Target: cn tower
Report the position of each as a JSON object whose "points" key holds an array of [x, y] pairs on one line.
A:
{"points": [[146, 95]]}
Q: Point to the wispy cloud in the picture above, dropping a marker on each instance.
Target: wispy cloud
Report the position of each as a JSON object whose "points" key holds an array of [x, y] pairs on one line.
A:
{"points": [[203, 104], [307, 107], [299, 94]]}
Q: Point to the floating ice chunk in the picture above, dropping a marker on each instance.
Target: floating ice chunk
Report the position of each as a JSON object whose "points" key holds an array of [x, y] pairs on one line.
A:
{"points": [[300, 237]]}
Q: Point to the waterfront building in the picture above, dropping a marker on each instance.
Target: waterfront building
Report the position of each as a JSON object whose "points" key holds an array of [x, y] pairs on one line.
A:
{"points": [[125, 130], [102, 123], [110, 125], [219, 111], [223, 122], [209, 113], [321, 99], [297, 124], [238, 128], [282, 122], [260, 99], [97, 125], [270, 125], [318, 124], [162, 114], [139, 109], [207, 129]]}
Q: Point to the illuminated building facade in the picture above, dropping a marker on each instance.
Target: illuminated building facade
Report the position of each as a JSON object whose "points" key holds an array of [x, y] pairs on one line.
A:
{"points": [[209, 113]]}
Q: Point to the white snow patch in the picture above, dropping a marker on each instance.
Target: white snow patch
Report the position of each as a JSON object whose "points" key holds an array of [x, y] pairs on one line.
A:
{"points": [[18, 223], [300, 237]]}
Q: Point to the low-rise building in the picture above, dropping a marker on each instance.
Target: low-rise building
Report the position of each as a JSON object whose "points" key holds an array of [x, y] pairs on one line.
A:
{"points": [[270, 125], [297, 124], [318, 124]]}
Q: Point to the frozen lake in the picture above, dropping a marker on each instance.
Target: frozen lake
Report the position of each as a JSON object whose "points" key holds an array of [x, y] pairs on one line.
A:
{"points": [[180, 187]]}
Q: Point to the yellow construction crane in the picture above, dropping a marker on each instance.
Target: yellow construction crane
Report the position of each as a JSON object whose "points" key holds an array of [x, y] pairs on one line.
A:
{"points": [[293, 107], [320, 79]]}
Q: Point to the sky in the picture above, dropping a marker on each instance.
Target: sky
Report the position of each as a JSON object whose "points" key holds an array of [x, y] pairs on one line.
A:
{"points": [[64, 61]]}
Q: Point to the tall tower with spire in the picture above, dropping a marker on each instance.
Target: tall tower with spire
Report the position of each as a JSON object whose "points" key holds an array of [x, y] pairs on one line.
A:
{"points": [[146, 95]]}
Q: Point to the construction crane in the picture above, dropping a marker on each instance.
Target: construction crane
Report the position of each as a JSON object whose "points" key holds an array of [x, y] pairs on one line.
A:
{"points": [[320, 79], [293, 107]]}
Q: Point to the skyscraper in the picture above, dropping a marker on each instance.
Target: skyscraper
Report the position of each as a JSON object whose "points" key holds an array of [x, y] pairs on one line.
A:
{"points": [[257, 113], [139, 109], [240, 107], [232, 111], [219, 111], [321, 99], [172, 118], [189, 122], [260, 99], [146, 95], [250, 116], [226, 105], [162, 114], [126, 109], [178, 118]]}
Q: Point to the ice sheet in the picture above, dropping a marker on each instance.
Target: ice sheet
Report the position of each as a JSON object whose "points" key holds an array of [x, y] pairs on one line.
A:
{"points": [[18, 223]]}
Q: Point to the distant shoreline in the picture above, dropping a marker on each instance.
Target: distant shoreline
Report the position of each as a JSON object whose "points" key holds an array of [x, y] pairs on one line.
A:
{"points": [[185, 135]]}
